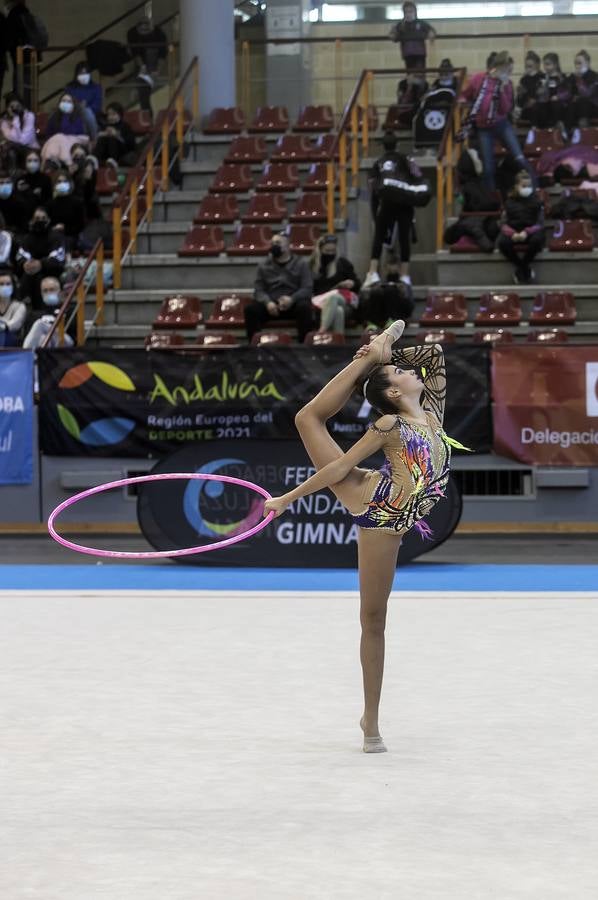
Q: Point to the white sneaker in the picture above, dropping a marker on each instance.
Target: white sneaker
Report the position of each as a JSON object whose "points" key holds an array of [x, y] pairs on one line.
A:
{"points": [[370, 279]]}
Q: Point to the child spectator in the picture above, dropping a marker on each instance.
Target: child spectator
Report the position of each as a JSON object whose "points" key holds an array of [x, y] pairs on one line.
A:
{"points": [[529, 86], [550, 109], [89, 95], [40, 253], [446, 77], [12, 312], [412, 33], [476, 198], [116, 142], [17, 133], [66, 127], [335, 285], [583, 86], [40, 184], [523, 228], [66, 211]]}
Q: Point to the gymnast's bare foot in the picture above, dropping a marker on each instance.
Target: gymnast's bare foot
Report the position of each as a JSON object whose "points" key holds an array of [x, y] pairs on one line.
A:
{"points": [[372, 742], [380, 346]]}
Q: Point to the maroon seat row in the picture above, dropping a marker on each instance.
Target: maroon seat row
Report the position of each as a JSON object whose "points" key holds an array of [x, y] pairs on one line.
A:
{"points": [[269, 119], [250, 240], [161, 340], [498, 336], [223, 209], [448, 308]]}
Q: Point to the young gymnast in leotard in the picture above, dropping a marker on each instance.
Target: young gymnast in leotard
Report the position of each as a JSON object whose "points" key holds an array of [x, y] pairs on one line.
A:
{"points": [[386, 503]]}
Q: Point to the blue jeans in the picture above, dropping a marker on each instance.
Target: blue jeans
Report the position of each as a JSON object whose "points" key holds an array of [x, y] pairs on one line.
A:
{"points": [[504, 133]]}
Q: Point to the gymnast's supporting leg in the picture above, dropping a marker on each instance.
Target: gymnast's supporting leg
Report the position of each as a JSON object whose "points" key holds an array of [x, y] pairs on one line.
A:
{"points": [[378, 552]]}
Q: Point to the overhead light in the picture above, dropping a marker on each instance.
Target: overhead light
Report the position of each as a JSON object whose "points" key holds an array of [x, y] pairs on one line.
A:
{"points": [[461, 10], [584, 7], [333, 12], [537, 9]]}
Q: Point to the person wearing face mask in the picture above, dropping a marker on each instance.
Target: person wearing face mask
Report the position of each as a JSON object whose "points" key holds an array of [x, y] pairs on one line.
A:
{"points": [[66, 126], [283, 290], [336, 285], [529, 86], [17, 132], [522, 228], [40, 253], [40, 184], [40, 326], [66, 211], [89, 96], [583, 86], [446, 77], [83, 172], [116, 142], [412, 33], [490, 95], [553, 96], [12, 312]]}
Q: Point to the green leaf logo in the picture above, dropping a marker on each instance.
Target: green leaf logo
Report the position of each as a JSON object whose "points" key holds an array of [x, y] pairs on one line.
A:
{"points": [[69, 421]]}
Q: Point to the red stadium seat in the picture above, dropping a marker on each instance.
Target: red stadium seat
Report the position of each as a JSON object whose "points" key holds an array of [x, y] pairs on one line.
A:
{"points": [[266, 338], [227, 311], [216, 209], [317, 178], [324, 338], [41, 123], [315, 118], [323, 149], [203, 240], [310, 207], [465, 244], [266, 207], [302, 238], [107, 181], [179, 312], [251, 240], [444, 309], [247, 150], [279, 177], [553, 307], [225, 120], [543, 140], [499, 308], [586, 137], [573, 236], [293, 148], [553, 336], [500, 336], [215, 341], [437, 337], [270, 119], [232, 179], [139, 121], [163, 340]]}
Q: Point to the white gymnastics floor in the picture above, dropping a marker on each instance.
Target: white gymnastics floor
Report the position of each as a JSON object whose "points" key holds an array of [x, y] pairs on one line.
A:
{"points": [[188, 746]]}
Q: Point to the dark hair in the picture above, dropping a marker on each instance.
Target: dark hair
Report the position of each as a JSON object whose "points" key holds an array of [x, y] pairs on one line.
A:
{"points": [[490, 59], [81, 65], [409, 4], [117, 107], [4, 174], [532, 56], [553, 58], [389, 141], [14, 98], [584, 54], [375, 386]]}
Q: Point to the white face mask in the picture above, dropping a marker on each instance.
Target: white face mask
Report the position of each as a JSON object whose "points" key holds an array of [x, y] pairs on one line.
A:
{"points": [[66, 107], [526, 191], [84, 78], [6, 291], [62, 187], [51, 298], [5, 190], [32, 165], [583, 68]]}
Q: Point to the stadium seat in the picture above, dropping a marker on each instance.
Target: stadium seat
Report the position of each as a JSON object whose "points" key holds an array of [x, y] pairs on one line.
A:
{"points": [[216, 209], [315, 118], [437, 337], [500, 336], [107, 181], [251, 240], [542, 140], [279, 177], [310, 207], [293, 148], [317, 178], [139, 121], [572, 235], [41, 123], [323, 148], [324, 338], [227, 311], [495, 308], [232, 179], [203, 240], [163, 340], [373, 117], [444, 309], [553, 307], [225, 120], [302, 238], [179, 312], [266, 207], [215, 341], [392, 122], [247, 150], [263, 338], [465, 244], [587, 137], [552, 336], [270, 119]]}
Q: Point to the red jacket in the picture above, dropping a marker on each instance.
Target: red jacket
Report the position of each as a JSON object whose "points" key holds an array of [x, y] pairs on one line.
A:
{"points": [[503, 106]]}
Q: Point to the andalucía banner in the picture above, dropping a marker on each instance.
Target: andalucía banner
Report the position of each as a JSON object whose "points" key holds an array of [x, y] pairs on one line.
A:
{"points": [[546, 404]]}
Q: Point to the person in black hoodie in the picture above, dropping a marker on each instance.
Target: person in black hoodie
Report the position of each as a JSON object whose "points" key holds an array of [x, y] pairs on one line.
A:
{"points": [[40, 184], [116, 142], [335, 284], [522, 230], [40, 253], [529, 86], [583, 85], [476, 198], [67, 212]]}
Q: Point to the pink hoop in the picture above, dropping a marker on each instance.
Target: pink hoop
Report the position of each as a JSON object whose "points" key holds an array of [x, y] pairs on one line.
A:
{"points": [[157, 554]]}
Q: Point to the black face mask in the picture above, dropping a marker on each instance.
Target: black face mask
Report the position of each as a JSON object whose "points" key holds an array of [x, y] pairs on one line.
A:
{"points": [[392, 277], [40, 226], [276, 251], [327, 258]]}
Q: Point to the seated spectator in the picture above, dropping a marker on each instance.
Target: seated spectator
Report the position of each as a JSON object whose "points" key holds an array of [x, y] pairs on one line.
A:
{"points": [[283, 289], [89, 96], [12, 311], [553, 95], [8, 247], [148, 45], [66, 127], [66, 211], [529, 86], [475, 198], [522, 230], [410, 92], [84, 173], [17, 133], [40, 184], [446, 77], [96, 228], [40, 326], [583, 86], [40, 253], [116, 142], [10, 209], [336, 285]]}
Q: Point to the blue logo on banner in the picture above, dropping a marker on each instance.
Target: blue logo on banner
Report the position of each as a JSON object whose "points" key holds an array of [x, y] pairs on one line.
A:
{"points": [[16, 417]]}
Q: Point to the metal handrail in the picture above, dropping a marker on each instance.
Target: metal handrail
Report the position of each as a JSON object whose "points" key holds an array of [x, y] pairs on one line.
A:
{"points": [[79, 291]]}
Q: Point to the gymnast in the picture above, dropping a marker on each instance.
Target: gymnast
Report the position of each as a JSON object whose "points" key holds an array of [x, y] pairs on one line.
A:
{"points": [[385, 503]]}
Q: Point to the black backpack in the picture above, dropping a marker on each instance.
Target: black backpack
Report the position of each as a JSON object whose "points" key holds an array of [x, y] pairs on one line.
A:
{"points": [[398, 185], [35, 30]]}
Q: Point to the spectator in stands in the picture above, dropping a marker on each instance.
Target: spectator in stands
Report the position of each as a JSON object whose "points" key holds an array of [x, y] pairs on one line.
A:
{"points": [[148, 45], [66, 211], [16, 35], [410, 92], [336, 285], [12, 311], [283, 289], [412, 33], [40, 253], [40, 326], [490, 94], [475, 198], [583, 86], [11, 209], [66, 127], [529, 86], [89, 95], [40, 184], [446, 77], [522, 230], [84, 173], [17, 133], [116, 145], [550, 109]]}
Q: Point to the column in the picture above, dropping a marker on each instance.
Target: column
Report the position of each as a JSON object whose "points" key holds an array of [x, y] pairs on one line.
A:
{"points": [[288, 65], [207, 30]]}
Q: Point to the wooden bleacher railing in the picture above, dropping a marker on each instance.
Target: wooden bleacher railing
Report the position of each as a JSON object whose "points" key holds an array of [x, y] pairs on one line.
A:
{"points": [[446, 161], [73, 305]]}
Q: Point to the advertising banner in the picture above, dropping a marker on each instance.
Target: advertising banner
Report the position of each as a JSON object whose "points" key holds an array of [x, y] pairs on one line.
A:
{"points": [[16, 417], [546, 404], [316, 532], [139, 403]]}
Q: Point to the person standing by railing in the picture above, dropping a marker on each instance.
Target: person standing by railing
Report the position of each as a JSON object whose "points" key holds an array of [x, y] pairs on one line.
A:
{"points": [[412, 33]]}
